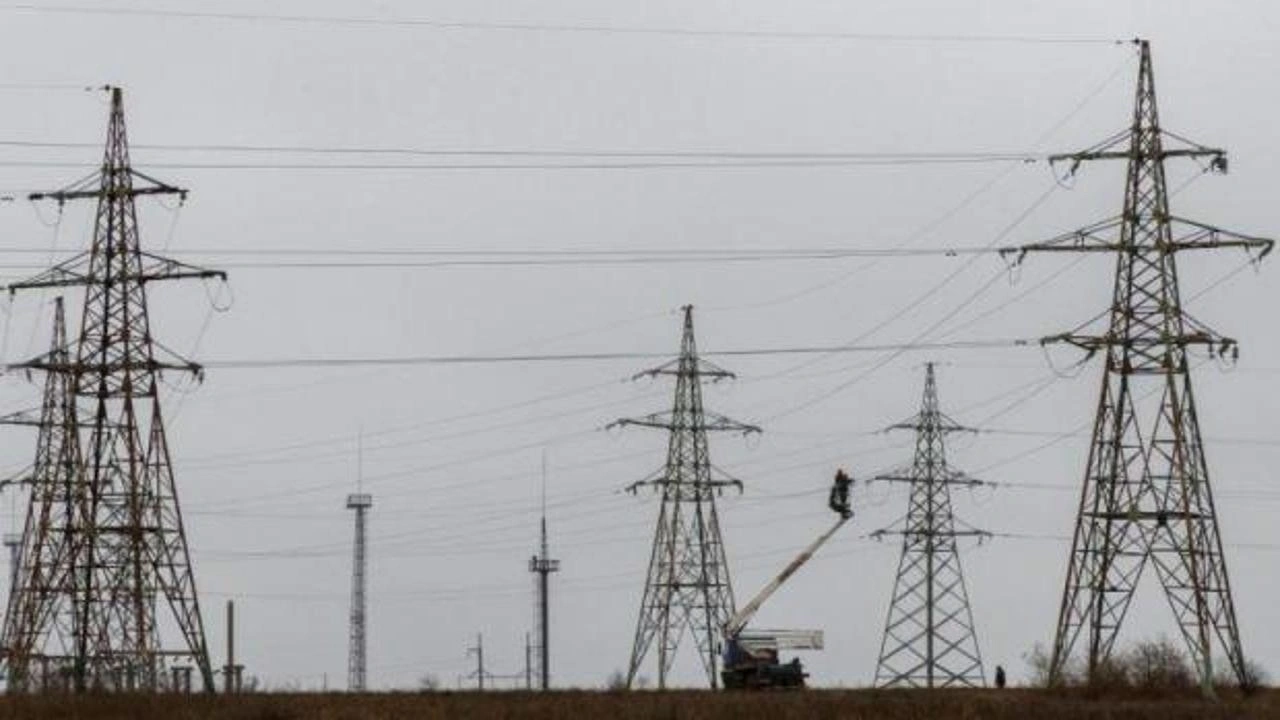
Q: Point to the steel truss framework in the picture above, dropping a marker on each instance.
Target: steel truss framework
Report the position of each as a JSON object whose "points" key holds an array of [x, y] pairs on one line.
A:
{"points": [[357, 650], [1146, 497], [929, 639], [105, 564], [688, 586]]}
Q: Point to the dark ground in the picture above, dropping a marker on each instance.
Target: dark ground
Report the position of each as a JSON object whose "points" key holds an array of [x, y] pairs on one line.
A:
{"points": [[692, 705]]}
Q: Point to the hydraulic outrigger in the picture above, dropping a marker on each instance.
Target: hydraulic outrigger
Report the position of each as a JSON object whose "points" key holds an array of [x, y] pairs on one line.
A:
{"points": [[751, 657]]}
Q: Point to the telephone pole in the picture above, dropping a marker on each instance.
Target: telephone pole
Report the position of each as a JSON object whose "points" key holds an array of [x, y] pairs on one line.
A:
{"points": [[688, 585], [929, 639], [93, 586], [478, 651], [1146, 498], [542, 565]]}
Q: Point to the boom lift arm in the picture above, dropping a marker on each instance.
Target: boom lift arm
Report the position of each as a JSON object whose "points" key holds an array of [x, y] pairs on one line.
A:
{"points": [[839, 502]]}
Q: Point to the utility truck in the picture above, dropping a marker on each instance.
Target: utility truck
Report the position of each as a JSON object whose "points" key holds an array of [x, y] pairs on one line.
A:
{"points": [[751, 656]]}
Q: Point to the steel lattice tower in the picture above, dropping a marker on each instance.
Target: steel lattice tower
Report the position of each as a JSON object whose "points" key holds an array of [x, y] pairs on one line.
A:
{"points": [[360, 503], [37, 650], [929, 639], [123, 550], [1146, 497], [687, 587]]}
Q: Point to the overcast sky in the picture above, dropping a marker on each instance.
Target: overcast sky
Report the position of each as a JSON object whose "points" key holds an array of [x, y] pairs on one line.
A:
{"points": [[264, 457]]}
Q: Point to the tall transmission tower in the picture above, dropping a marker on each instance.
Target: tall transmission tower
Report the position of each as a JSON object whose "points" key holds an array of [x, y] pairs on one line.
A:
{"points": [[688, 585], [90, 586], [542, 566], [31, 661], [1146, 497], [929, 639], [360, 502]]}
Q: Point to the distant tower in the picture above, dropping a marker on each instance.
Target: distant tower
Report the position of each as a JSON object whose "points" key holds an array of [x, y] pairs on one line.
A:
{"points": [[1146, 500], [929, 640], [30, 656], [360, 502], [542, 566], [688, 583]]}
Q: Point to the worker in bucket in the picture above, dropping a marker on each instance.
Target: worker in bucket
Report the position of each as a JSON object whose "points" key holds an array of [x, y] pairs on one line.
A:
{"points": [[839, 499]]}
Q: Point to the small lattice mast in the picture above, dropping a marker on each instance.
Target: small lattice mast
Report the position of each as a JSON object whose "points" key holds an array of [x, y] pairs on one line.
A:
{"points": [[108, 601], [687, 587], [929, 638], [1146, 497], [359, 502]]}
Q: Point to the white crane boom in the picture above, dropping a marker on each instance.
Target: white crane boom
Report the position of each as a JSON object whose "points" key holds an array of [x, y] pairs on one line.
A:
{"points": [[740, 619]]}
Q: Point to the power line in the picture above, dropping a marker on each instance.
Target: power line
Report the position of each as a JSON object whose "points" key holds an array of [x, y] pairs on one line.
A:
{"points": [[586, 165], [562, 153], [391, 259], [563, 28], [295, 362], [710, 252], [47, 86]]}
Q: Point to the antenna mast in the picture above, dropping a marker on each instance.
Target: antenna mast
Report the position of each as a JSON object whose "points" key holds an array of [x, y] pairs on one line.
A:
{"points": [[542, 565]]}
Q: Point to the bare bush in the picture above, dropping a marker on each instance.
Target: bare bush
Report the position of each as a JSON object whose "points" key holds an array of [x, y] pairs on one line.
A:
{"points": [[1040, 670], [1158, 665], [617, 681], [1148, 665], [1254, 677], [428, 683]]}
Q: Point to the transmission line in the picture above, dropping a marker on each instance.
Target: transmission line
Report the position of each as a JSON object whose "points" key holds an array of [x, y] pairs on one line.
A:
{"points": [[563, 153], [295, 362], [563, 28]]}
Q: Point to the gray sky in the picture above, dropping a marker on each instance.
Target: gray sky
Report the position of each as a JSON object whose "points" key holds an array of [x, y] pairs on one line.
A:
{"points": [[265, 456]]}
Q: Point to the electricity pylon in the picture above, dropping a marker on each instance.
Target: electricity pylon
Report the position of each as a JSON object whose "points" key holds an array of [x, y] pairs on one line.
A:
{"points": [[39, 618], [929, 639], [1146, 495], [92, 587], [688, 585]]}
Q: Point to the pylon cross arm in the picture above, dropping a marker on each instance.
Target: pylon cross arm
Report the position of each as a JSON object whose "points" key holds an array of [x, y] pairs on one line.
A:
{"points": [[1093, 343], [1185, 235], [1079, 157], [78, 271], [92, 188], [108, 368], [701, 369], [1201, 236], [710, 422]]}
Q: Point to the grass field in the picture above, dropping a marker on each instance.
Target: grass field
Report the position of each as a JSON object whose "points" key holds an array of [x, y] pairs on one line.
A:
{"points": [[806, 705]]}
